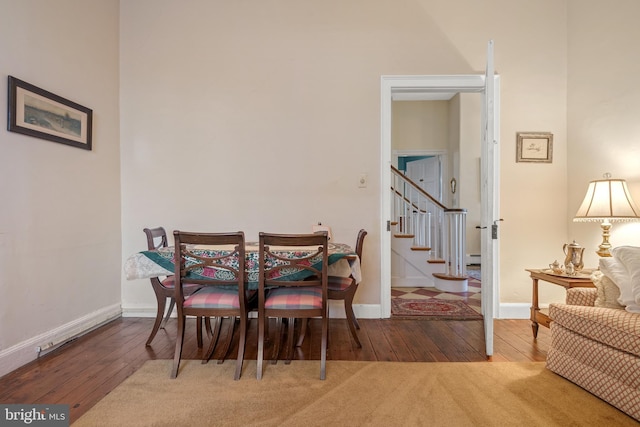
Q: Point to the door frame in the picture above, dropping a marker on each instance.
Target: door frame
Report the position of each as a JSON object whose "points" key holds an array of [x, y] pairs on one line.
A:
{"points": [[434, 84]]}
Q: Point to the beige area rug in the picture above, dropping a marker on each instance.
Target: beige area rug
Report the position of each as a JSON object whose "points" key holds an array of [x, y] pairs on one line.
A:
{"points": [[354, 394]]}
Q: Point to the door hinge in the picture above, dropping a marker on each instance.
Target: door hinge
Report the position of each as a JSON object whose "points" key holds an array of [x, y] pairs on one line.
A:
{"points": [[388, 225]]}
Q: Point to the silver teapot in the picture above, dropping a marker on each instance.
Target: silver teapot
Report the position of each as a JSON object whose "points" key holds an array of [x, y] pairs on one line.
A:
{"points": [[573, 252]]}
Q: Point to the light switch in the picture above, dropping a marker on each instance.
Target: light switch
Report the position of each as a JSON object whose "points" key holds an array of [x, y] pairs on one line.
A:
{"points": [[362, 182]]}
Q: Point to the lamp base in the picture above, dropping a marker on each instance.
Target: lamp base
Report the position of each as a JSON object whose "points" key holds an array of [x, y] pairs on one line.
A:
{"points": [[605, 246]]}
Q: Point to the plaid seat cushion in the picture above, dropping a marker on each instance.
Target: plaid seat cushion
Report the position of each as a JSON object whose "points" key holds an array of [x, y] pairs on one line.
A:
{"points": [[294, 298], [169, 282], [213, 297], [337, 283]]}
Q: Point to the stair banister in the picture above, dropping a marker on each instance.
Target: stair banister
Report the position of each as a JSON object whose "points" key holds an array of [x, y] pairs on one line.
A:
{"points": [[433, 226], [418, 214], [408, 180], [455, 243]]}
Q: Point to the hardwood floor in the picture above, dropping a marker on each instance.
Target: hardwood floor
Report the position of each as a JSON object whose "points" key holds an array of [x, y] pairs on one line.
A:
{"points": [[85, 370]]}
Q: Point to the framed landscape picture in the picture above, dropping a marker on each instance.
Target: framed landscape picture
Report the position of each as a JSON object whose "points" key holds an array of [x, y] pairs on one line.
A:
{"points": [[35, 112], [534, 147]]}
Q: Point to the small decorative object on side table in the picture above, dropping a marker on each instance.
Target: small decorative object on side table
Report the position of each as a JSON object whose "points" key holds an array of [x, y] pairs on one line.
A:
{"points": [[579, 280]]}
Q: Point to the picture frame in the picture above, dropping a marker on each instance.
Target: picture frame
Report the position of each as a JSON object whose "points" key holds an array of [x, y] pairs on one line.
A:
{"points": [[36, 112], [534, 147]]}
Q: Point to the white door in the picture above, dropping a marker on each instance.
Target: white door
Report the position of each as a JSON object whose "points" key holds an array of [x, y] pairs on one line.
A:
{"points": [[488, 87], [489, 198], [426, 173]]}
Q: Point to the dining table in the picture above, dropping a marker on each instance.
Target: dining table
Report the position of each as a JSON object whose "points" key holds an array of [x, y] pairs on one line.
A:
{"points": [[343, 262]]}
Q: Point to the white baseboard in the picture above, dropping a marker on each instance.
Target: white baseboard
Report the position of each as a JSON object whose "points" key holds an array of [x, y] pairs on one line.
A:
{"points": [[142, 311], [368, 311], [20, 354], [473, 259], [514, 311], [413, 282], [361, 311]]}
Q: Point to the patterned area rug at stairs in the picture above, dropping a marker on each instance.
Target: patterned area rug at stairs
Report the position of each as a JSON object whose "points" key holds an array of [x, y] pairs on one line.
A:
{"points": [[433, 309]]}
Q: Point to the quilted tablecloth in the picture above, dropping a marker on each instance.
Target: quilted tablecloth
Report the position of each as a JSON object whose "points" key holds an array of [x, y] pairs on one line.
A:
{"points": [[343, 261]]}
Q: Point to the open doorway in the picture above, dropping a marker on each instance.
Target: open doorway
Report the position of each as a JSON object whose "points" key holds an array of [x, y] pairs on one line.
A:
{"points": [[436, 131], [436, 143], [488, 89]]}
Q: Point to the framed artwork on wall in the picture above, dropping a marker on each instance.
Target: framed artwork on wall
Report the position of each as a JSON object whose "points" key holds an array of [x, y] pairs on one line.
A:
{"points": [[536, 147], [36, 112]]}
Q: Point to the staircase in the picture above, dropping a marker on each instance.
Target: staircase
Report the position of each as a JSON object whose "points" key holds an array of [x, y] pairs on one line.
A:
{"points": [[428, 242]]}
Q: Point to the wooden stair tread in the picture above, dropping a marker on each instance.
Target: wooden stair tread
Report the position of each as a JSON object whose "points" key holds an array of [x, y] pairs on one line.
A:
{"points": [[420, 248], [435, 261], [404, 236], [449, 277]]}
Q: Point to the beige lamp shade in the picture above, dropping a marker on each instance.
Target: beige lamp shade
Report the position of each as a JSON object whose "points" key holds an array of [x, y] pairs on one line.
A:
{"points": [[607, 200]]}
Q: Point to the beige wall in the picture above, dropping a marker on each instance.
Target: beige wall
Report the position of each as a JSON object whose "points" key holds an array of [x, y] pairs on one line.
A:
{"points": [[602, 135], [603, 108], [281, 97], [455, 130], [60, 213], [420, 125], [469, 175]]}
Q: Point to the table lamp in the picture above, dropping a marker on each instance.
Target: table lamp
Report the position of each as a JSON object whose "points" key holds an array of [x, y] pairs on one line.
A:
{"points": [[607, 200]]}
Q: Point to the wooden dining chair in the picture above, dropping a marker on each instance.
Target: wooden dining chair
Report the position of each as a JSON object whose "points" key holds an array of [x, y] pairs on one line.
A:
{"points": [[344, 288], [292, 297], [216, 262], [164, 289]]}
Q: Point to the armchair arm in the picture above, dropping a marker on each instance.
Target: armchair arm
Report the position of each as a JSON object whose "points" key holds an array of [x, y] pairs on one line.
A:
{"points": [[582, 296]]}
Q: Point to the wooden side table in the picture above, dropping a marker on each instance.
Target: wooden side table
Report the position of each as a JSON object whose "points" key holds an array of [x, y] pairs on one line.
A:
{"points": [[537, 316]]}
